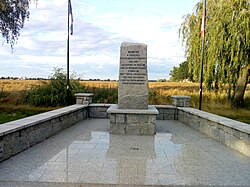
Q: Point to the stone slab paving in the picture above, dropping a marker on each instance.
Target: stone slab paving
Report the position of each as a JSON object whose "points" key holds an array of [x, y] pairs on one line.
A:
{"points": [[87, 153]]}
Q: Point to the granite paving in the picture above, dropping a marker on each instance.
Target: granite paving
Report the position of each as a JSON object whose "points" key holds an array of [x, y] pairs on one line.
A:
{"points": [[87, 154]]}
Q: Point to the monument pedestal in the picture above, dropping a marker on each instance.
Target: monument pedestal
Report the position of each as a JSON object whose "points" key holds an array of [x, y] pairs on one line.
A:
{"points": [[132, 121], [132, 115]]}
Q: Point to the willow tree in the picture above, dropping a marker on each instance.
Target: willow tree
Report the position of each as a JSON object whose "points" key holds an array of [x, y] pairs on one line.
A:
{"points": [[227, 46], [13, 14]]}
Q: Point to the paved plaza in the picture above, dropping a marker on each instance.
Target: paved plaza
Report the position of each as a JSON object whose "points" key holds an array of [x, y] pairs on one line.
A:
{"points": [[87, 153]]}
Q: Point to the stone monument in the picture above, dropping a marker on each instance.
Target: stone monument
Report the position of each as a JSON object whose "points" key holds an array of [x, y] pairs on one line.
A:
{"points": [[133, 77], [133, 115]]}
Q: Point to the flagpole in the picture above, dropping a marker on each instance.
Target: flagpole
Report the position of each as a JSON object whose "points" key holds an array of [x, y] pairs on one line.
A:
{"points": [[68, 84], [202, 51]]}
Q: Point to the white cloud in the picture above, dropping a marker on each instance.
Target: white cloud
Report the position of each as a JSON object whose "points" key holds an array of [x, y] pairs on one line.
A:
{"points": [[99, 29]]}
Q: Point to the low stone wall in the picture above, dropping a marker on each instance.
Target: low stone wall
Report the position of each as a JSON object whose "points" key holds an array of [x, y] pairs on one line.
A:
{"points": [[98, 110], [19, 135], [166, 112], [230, 132]]}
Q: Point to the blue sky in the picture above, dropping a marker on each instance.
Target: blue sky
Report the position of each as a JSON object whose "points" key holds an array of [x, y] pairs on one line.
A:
{"points": [[100, 26]]}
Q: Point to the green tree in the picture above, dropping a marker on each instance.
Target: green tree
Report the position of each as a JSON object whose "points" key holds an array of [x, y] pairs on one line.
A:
{"points": [[180, 73], [13, 14], [227, 49]]}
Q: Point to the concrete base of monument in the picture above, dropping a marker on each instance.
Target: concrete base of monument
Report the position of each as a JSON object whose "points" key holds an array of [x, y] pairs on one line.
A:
{"points": [[132, 121]]}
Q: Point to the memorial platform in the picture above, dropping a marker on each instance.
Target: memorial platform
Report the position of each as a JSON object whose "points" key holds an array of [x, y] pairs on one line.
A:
{"points": [[132, 121], [85, 154]]}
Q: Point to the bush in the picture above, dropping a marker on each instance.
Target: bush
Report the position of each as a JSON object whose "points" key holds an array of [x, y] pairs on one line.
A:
{"points": [[53, 92]]}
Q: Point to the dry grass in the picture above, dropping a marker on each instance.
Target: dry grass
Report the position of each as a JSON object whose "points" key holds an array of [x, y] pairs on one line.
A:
{"points": [[212, 102], [163, 85], [160, 93], [100, 84], [18, 85]]}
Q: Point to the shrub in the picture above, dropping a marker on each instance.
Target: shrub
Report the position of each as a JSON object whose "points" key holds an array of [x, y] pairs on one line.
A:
{"points": [[53, 92]]}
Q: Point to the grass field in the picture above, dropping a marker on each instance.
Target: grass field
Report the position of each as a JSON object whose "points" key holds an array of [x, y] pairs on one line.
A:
{"points": [[160, 93], [22, 85], [18, 85]]}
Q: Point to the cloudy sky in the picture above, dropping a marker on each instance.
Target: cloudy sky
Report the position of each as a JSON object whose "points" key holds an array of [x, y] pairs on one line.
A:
{"points": [[100, 26]]}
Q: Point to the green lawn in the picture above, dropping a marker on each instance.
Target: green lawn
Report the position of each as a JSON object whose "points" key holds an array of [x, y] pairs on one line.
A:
{"points": [[6, 116], [14, 112]]}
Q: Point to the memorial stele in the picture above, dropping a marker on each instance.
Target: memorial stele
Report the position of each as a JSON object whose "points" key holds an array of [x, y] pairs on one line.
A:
{"points": [[133, 77], [132, 115]]}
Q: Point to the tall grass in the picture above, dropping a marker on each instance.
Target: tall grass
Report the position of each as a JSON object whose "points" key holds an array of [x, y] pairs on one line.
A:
{"points": [[104, 95], [216, 103], [13, 106], [52, 93]]}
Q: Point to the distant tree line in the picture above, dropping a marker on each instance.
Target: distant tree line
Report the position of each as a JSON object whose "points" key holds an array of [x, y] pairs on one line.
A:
{"points": [[22, 78], [37, 78]]}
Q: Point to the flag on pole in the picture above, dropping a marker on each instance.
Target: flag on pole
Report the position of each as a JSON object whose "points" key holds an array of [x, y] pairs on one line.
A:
{"points": [[203, 22], [71, 18]]}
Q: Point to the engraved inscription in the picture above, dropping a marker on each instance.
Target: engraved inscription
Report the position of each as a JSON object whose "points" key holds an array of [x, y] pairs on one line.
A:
{"points": [[133, 77], [133, 69], [133, 53]]}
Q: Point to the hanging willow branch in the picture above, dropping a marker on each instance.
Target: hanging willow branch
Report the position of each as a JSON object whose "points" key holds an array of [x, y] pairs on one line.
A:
{"points": [[13, 14], [227, 49]]}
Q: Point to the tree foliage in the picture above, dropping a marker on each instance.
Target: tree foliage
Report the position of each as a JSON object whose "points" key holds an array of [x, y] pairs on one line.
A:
{"points": [[227, 49], [180, 73], [13, 14]]}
